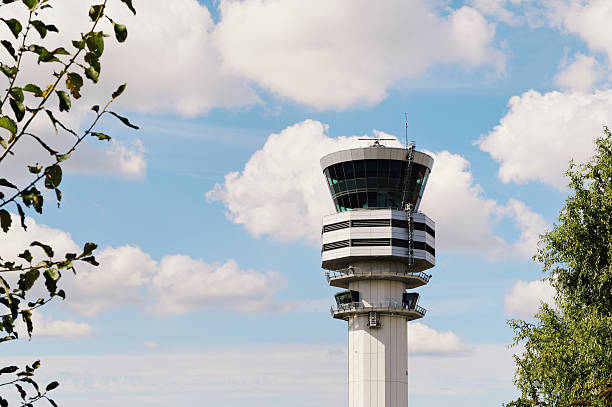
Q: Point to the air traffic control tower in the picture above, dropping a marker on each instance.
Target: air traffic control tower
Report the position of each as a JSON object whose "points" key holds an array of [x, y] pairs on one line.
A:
{"points": [[376, 247]]}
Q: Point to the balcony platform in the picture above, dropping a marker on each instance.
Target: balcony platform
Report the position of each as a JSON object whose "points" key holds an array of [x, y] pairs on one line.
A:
{"points": [[344, 311], [342, 278]]}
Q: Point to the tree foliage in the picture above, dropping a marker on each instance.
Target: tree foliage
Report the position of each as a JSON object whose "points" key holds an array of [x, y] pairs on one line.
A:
{"points": [[75, 65], [567, 359]]}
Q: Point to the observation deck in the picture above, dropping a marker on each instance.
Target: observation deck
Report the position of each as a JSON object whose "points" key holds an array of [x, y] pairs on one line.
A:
{"points": [[342, 278], [344, 311]]}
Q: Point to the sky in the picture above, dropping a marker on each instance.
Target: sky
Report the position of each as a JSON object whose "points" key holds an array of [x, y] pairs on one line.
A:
{"points": [[209, 290]]}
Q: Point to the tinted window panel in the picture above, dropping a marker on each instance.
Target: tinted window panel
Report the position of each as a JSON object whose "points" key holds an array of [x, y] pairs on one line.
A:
{"points": [[347, 167], [359, 167]]}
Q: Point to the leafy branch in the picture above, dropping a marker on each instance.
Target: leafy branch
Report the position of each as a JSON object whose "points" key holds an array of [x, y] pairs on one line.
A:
{"points": [[23, 272]]}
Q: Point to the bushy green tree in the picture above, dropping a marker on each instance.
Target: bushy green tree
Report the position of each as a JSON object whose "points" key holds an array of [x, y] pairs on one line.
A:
{"points": [[52, 95], [567, 359]]}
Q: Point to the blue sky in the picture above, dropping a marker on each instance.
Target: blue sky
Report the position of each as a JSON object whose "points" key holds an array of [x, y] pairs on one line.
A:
{"points": [[210, 289]]}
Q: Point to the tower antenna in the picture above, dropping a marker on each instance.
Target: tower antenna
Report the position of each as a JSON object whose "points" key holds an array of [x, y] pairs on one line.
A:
{"points": [[406, 134]]}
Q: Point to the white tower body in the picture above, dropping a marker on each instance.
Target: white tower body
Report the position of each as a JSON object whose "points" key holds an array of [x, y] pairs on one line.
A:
{"points": [[376, 249]]}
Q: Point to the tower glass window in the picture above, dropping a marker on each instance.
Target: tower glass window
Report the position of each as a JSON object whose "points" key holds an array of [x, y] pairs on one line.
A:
{"points": [[376, 183]]}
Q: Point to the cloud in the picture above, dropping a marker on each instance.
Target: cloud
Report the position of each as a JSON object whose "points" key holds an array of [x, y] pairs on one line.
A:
{"points": [[177, 60], [338, 54], [270, 375], [587, 19], [423, 340], [524, 299], [127, 276], [497, 9], [540, 133], [581, 75], [117, 159], [287, 169], [169, 60], [182, 284], [46, 327]]}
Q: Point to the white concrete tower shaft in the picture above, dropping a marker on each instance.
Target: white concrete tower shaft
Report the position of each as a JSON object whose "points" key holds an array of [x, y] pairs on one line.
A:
{"points": [[375, 250]]}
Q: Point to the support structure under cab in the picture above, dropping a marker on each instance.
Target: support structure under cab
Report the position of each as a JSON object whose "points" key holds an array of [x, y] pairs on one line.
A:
{"points": [[376, 247]]}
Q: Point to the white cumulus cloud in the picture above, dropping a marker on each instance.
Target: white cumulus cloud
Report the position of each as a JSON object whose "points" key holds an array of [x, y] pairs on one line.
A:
{"points": [[287, 168], [47, 327], [524, 298], [127, 276], [423, 340], [182, 284], [337, 54], [587, 19], [581, 75], [541, 132]]}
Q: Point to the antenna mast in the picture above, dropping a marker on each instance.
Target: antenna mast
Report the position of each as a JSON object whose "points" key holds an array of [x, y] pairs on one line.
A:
{"points": [[406, 135]]}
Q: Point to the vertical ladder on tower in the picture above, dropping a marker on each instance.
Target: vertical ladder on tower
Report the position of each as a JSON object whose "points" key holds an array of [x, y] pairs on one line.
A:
{"points": [[406, 204], [410, 234]]}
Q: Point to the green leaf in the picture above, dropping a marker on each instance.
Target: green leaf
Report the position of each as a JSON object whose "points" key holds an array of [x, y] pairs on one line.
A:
{"points": [[33, 197], [60, 51], [52, 28], [92, 74], [44, 55], [130, 6], [27, 279], [27, 318], [35, 169], [61, 293], [88, 249], [17, 94], [9, 369], [40, 27], [5, 220], [13, 25], [18, 109], [63, 157], [101, 136], [64, 101], [26, 255], [74, 82], [51, 386], [5, 183], [46, 248], [91, 260], [9, 124], [93, 60], [9, 47], [96, 12], [95, 108], [120, 32], [33, 89], [53, 176], [79, 44], [58, 196], [30, 3], [124, 120], [51, 278], [119, 91], [9, 71], [95, 43], [22, 217]]}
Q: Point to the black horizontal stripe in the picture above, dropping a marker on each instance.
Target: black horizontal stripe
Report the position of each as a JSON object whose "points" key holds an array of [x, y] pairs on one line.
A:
{"points": [[399, 223], [379, 242]]}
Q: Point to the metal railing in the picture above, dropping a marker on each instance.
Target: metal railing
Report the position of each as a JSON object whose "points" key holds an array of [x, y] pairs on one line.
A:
{"points": [[348, 272], [387, 304]]}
